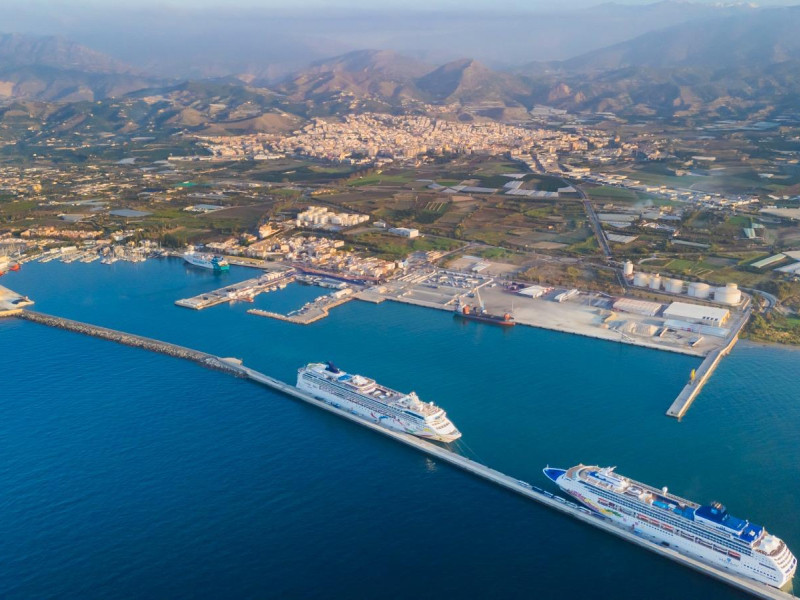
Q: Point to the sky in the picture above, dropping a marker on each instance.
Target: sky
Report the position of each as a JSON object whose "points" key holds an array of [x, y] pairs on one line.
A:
{"points": [[296, 5]]}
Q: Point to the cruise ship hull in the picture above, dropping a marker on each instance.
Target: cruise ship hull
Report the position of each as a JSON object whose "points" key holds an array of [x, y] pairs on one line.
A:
{"points": [[775, 568], [369, 410]]}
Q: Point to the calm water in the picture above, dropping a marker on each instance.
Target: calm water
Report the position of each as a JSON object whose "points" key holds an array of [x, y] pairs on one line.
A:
{"points": [[133, 475]]}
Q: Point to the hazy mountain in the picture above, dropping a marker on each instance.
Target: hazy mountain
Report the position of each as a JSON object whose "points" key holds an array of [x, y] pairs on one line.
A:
{"points": [[760, 38], [23, 50], [469, 81], [197, 40], [735, 66], [380, 73], [395, 80], [52, 68]]}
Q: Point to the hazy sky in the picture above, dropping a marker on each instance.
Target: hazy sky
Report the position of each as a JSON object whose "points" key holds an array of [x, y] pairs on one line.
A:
{"points": [[63, 6], [270, 37]]}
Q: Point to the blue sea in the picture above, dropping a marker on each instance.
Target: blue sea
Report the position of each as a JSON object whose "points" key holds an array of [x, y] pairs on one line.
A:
{"points": [[127, 474]]}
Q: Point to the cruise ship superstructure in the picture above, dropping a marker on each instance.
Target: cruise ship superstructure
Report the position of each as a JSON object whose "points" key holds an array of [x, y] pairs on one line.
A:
{"points": [[206, 261], [365, 398], [708, 532]]}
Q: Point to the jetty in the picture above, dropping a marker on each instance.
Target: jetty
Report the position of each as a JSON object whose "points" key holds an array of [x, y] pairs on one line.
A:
{"points": [[243, 291], [692, 389], [311, 312], [235, 367]]}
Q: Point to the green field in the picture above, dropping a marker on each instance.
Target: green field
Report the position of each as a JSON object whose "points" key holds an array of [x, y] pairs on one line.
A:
{"points": [[380, 179]]}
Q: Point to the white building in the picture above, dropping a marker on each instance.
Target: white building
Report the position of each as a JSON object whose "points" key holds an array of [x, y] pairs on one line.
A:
{"points": [[319, 217], [695, 313], [534, 291], [405, 232], [638, 307]]}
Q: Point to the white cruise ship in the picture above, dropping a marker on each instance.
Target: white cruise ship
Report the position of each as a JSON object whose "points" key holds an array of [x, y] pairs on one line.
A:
{"points": [[708, 533], [206, 261], [365, 398]]}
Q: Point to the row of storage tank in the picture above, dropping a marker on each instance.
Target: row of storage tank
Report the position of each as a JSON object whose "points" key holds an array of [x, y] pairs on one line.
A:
{"points": [[728, 294]]}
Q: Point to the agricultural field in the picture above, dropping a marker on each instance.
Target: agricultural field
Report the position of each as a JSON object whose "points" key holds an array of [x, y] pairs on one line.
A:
{"points": [[393, 247]]}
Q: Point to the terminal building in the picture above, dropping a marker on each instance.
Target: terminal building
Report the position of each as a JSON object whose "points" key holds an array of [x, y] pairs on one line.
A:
{"points": [[695, 313]]}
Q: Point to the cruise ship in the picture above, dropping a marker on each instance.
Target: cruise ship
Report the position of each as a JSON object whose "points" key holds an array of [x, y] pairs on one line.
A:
{"points": [[708, 532], [207, 261], [365, 398]]}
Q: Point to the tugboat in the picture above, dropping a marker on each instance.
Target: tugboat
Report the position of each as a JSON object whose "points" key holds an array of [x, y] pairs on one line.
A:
{"points": [[478, 313]]}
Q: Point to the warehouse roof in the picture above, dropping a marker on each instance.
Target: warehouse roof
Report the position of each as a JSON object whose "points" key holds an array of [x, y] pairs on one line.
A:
{"points": [[696, 311]]}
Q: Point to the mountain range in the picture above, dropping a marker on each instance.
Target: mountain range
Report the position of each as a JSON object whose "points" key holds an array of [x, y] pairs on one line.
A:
{"points": [[743, 63], [55, 69]]}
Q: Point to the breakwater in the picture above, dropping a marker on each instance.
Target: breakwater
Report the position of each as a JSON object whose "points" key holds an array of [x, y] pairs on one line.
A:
{"points": [[128, 339], [519, 487]]}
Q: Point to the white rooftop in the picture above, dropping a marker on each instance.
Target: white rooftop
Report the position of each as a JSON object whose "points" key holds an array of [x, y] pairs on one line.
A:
{"points": [[696, 311]]}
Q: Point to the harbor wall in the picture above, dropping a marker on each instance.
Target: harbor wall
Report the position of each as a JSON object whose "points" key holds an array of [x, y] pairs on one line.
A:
{"points": [[234, 367], [207, 360]]}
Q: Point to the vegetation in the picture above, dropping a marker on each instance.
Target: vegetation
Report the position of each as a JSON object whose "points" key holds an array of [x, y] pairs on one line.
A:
{"points": [[774, 328], [393, 247]]}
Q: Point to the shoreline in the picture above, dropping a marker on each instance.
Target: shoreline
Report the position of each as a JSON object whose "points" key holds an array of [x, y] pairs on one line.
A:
{"points": [[556, 328]]}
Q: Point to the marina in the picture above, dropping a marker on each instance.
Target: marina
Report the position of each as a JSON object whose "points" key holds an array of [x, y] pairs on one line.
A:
{"points": [[236, 368]]}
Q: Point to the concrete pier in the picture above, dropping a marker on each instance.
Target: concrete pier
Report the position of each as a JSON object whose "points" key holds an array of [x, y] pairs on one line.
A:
{"points": [[236, 368], [692, 389], [523, 488], [242, 291], [12, 303], [311, 313]]}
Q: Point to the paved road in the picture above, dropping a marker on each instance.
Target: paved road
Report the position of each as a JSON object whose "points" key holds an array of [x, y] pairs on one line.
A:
{"points": [[593, 219]]}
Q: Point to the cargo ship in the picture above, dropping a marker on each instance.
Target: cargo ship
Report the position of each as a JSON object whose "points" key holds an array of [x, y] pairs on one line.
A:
{"points": [[708, 532], [369, 400], [478, 313], [206, 261]]}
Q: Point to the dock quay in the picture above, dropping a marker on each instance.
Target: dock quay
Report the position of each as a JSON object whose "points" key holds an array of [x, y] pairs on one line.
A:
{"points": [[243, 291], [12, 303], [311, 312], [692, 389], [552, 501]]}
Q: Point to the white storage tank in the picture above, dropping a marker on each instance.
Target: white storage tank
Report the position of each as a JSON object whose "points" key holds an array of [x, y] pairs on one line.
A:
{"points": [[699, 290], [641, 279], [627, 269], [729, 294], [655, 282], [674, 286]]}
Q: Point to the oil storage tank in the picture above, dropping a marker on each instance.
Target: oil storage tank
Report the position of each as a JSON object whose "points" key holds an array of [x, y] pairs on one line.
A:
{"points": [[674, 286], [627, 269], [699, 290], [641, 279], [729, 294], [655, 282]]}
